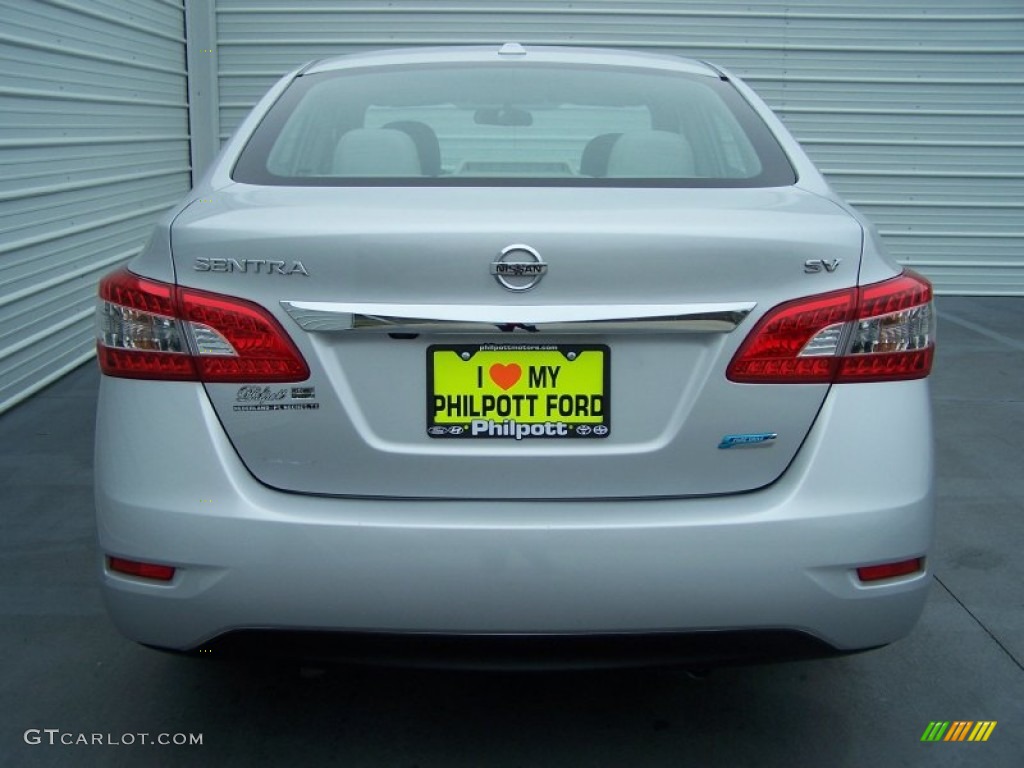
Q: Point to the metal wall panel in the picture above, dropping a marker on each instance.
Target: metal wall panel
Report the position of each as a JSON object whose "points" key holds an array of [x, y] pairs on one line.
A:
{"points": [[94, 144], [914, 109]]}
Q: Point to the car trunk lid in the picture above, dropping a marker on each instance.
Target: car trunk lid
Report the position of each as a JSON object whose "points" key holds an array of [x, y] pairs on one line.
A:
{"points": [[392, 298]]}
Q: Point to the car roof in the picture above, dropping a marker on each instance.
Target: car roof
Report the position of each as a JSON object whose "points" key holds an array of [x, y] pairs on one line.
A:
{"points": [[512, 52]]}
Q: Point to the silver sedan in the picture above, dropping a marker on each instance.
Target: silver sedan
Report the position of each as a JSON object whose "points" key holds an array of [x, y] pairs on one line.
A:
{"points": [[552, 355]]}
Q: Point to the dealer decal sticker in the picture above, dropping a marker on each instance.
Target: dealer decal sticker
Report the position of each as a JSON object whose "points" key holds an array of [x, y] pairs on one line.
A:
{"points": [[256, 398]]}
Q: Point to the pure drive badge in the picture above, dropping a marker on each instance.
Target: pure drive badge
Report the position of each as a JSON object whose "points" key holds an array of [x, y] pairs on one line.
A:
{"points": [[747, 440]]}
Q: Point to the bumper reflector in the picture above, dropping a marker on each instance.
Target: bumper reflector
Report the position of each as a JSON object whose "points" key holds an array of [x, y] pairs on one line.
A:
{"points": [[142, 570], [890, 570]]}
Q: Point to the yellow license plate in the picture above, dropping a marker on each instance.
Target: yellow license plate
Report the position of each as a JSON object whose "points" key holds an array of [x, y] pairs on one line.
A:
{"points": [[518, 391]]}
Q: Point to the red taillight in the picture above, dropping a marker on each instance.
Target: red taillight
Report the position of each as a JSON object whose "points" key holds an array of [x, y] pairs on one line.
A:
{"points": [[221, 324], [894, 336], [151, 330], [880, 332], [890, 570], [142, 570], [139, 334], [772, 352]]}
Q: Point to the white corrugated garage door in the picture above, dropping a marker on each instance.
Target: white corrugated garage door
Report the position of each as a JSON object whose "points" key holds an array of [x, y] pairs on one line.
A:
{"points": [[93, 146], [915, 109]]}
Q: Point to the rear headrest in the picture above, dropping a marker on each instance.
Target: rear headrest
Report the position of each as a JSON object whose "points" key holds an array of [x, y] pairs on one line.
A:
{"points": [[646, 154], [427, 146], [594, 161], [376, 152]]}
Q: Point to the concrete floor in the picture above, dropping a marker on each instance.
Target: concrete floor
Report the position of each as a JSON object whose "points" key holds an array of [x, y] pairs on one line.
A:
{"points": [[66, 668]]}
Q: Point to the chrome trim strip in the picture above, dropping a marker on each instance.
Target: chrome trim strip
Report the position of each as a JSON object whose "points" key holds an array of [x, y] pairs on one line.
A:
{"points": [[328, 317]]}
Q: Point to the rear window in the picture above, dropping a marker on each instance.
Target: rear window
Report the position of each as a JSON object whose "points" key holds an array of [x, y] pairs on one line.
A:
{"points": [[512, 123]]}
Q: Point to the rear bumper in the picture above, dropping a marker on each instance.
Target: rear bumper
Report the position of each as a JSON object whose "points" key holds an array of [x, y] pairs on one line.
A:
{"points": [[170, 489]]}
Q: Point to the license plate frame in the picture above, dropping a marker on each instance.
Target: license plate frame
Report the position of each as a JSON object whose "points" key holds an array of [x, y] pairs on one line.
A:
{"points": [[504, 391]]}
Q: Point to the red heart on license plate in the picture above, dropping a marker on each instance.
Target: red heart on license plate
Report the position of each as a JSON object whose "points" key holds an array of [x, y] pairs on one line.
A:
{"points": [[506, 376]]}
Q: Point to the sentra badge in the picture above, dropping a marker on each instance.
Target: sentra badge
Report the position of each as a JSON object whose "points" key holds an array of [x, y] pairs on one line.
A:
{"points": [[518, 268], [256, 266]]}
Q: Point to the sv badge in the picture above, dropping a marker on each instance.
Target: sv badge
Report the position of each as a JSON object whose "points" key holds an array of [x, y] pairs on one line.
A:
{"points": [[812, 266]]}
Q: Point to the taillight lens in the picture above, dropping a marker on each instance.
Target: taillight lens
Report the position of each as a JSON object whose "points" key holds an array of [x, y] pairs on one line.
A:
{"points": [[879, 332], [894, 336], [138, 333], [147, 329]]}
